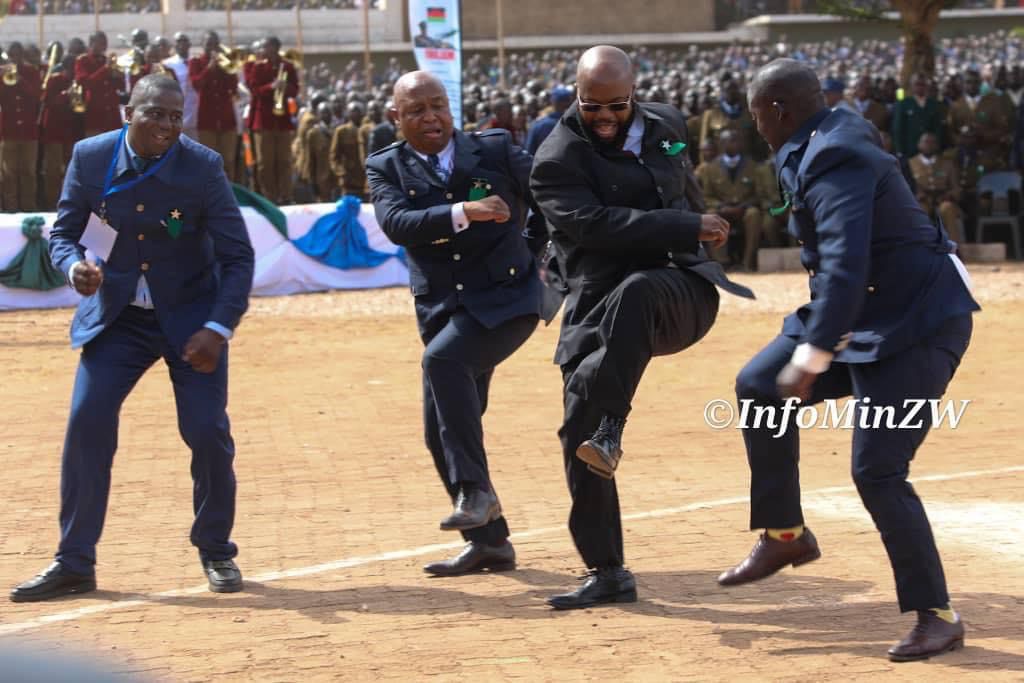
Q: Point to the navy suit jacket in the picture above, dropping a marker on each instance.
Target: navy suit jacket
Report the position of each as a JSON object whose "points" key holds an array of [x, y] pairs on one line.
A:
{"points": [[205, 274], [881, 276], [488, 269]]}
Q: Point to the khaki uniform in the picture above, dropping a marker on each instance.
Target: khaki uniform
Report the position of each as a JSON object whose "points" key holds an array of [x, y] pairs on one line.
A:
{"points": [[715, 121], [938, 191], [348, 160], [992, 121], [316, 159], [723, 188], [306, 121]]}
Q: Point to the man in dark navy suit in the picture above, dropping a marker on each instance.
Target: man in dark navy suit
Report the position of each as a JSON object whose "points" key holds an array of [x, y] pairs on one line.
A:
{"points": [[889, 319], [458, 204], [626, 221], [174, 286]]}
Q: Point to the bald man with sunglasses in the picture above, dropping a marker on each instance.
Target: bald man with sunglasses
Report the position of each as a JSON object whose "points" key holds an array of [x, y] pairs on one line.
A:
{"points": [[624, 214]]}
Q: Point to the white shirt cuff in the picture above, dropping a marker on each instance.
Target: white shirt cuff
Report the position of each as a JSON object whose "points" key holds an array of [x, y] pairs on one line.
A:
{"points": [[71, 270], [811, 359], [219, 329], [459, 220]]}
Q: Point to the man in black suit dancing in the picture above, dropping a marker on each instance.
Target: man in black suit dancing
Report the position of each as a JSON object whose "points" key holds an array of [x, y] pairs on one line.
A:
{"points": [[623, 208]]}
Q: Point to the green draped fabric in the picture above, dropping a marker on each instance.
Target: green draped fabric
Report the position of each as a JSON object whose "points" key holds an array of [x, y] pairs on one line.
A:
{"points": [[31, 268], [264, 206]]}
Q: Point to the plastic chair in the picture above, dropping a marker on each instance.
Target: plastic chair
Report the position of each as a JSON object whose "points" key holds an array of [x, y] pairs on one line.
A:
{"points": [[1006, 209]]}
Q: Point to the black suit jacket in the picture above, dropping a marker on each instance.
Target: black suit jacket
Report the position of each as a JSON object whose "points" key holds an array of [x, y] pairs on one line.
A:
{"points": [[610, 213], [488, 268]]}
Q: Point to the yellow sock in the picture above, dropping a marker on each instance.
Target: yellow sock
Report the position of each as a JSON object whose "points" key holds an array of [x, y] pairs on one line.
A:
{"points": [[945, 613], [786, 534]]}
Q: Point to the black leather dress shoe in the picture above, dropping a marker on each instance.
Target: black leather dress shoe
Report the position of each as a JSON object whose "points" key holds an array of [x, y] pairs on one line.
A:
{"points": [[52, 583], [769, 556], [931, 636], [474, 508], [224, 576], [603, 450], [476, 557], [600, 586]]}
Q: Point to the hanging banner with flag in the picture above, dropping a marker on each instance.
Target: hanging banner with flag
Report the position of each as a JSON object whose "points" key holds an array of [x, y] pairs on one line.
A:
{"points": [[435, 26]]}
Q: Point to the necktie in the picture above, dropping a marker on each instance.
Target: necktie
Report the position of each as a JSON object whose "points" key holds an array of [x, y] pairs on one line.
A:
{"points": [[435, 163], [140, 164]]}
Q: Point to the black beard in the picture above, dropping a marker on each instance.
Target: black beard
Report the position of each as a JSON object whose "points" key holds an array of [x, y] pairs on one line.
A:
{"points": [[616, 143]]}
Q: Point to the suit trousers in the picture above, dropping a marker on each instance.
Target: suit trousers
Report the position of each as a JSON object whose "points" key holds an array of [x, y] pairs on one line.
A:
{"points": [[274, 164], [881, 456], [108, 369], [651, 313], [225, 143], [19, 174], [458, 363]]}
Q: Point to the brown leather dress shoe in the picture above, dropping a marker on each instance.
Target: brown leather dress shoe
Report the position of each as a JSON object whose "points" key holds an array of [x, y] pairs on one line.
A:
{"points": [[769, 556], [931, 636]]}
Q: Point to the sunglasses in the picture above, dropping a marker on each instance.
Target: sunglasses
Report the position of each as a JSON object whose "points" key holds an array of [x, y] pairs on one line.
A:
{"points": [[593, 107]]}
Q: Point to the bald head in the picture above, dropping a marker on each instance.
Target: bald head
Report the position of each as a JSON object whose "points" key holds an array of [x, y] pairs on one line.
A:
{"points": [[790, 82], [416, 80], [604, 65], [782, 96]]}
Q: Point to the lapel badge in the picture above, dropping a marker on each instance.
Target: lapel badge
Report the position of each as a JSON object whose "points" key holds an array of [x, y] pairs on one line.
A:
{"points": [[480, 189], [174, 223], [671, 149]]}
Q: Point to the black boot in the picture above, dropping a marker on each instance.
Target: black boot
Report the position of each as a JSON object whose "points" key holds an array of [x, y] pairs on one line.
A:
{"points": [[603, 450], [474, 508], [600, 586]]}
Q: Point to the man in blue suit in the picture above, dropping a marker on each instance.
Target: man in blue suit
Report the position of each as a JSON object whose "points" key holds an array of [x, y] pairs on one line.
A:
{"points": [[889, 319], [458, 204], [174, 286]]}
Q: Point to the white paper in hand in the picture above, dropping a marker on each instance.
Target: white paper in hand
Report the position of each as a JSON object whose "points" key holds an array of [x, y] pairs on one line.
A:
{"points": [[98, 237]]}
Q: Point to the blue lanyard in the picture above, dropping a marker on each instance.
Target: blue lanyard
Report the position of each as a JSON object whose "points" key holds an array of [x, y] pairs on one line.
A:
{"points": [[107, 189]]}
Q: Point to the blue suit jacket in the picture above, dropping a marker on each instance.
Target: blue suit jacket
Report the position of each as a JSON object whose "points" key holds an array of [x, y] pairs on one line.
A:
{"points": [[488, 268], [881, 275], [205, 274]]}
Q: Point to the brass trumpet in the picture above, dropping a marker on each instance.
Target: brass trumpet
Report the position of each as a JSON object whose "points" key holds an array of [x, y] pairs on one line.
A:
{"points": [[294, 57], [77, 98], [279, 109], [10, 71], [229, 61]]}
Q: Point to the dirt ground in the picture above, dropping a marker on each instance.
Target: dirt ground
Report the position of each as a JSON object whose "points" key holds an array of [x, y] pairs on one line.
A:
{"points": [[339, 504]]}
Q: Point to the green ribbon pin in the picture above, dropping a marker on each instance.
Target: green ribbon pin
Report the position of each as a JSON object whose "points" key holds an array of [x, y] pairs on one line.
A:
{"points": [[779, 210], [481, 188], [672, 148], [174, 223]]}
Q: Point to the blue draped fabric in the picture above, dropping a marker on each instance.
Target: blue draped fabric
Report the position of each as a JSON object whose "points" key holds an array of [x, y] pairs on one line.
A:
{"points": [[338, 239]]}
